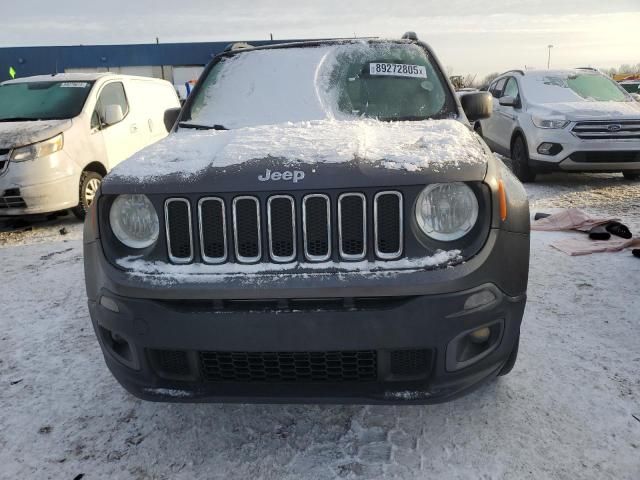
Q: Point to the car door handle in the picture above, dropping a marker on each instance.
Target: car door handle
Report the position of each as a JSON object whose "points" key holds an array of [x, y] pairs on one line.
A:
{"points": [[133, 128]]}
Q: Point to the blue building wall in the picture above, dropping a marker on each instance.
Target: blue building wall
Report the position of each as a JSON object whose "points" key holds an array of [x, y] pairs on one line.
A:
{"points": [[29, 61]]}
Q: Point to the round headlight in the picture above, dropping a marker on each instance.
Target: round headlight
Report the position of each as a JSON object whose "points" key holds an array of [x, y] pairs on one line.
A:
{"points": [[446, 211], [134, 221]]}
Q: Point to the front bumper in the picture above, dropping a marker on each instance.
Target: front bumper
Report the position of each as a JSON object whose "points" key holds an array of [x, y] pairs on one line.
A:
{"points": [[414, 311], [571, 158], [43, 185]]}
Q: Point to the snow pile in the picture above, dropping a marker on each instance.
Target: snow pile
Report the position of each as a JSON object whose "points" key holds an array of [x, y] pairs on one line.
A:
{"points": [[398, 145], [199, 272]]}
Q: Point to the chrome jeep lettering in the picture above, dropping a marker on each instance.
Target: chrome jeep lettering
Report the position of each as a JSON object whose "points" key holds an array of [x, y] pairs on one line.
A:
{"points": [[288, 175]]}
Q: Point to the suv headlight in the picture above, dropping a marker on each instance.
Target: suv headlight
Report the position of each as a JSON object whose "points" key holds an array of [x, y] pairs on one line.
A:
{"points": [[446, 211], [134, 221], [549, 122], [37, 150]]}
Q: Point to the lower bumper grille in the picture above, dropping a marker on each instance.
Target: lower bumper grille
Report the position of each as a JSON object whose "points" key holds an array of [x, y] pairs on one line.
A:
{"points": [[606, 157], [12, 199], [283, 367]]}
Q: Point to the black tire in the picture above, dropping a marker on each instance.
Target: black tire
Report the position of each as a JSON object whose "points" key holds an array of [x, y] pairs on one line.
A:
{"points": [[89, 184], [520, 161], [478, 128], [511, 361], [632, 175]]}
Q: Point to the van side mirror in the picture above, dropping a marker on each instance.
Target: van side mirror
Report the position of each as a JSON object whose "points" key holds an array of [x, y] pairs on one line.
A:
{"points": [[170, 117], [477, 105], [113, 114], [509, 101]]}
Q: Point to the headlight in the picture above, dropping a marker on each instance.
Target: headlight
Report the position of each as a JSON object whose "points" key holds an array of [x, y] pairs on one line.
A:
{"points": [[134, 221], [549, 122], [37, 150], [446, 211]]}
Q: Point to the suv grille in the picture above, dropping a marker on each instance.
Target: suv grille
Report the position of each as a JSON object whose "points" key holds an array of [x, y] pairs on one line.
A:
{"points": [[609, 129], [12, 199], [348, 366], [4, 160], [281, 240]]}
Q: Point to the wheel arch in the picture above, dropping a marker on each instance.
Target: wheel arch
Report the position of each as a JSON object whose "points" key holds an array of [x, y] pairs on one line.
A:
{"points": [[96, 167], [518, 132]]}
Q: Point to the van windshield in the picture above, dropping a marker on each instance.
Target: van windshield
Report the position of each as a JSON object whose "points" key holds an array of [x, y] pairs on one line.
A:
{"points": [[42, 100], [573, 87], [384, 80]]}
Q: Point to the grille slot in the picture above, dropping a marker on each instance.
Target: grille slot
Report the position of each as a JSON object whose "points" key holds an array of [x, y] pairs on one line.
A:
{"points": [[246, 226], [410, 362], [606, 157], [177, 215], [316, 219], [388, 232], [171, 362], [213, 230], [352, 226], [610, 129], [12, 198], [281, 219], [294, 367]]}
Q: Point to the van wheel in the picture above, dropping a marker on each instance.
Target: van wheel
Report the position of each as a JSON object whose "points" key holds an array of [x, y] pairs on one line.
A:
{"points": [[478, 128], [520, 161], [511, 361], [632, 175], [89, 185]]}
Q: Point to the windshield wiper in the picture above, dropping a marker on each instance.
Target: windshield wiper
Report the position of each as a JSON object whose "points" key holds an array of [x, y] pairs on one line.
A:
{"points": [[196, 126]]}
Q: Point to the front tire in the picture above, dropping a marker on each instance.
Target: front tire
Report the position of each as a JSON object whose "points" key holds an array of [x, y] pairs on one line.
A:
{"points": [[520, 161], [89, 185], [632, 175]]}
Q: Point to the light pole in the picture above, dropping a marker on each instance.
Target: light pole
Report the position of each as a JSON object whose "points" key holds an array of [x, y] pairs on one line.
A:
{"points": [[549, 56]]}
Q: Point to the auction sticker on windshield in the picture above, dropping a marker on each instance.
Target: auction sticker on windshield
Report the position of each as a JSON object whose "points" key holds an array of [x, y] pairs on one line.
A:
{"points": [[398, 70], [74, 85]]}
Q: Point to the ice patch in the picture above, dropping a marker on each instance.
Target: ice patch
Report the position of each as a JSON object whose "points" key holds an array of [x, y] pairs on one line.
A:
{"points": [[169, 392]]}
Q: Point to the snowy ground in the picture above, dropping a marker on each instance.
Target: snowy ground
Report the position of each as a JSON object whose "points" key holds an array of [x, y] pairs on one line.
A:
{"points": [[566, 411]]}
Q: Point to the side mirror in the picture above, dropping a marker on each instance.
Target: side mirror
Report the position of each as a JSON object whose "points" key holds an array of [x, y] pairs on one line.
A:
{"points": [[477, 105], [113, 114], [170, 117], [509, 101]]}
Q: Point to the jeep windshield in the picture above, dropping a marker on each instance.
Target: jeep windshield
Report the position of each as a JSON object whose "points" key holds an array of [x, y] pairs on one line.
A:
{"points": [[27, 101], [573, 87], [385, 80]]}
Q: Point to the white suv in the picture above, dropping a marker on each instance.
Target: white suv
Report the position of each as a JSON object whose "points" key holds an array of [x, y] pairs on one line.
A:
{"points": [[573, 120]]}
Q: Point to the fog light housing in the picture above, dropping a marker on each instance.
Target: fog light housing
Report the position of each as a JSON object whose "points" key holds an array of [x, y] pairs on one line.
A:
{"points": [[480, 335], [548, 148], [109, 304]]}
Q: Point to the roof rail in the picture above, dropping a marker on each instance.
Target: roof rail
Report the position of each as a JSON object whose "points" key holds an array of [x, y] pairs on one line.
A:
{"points": [[410, 36], [588, 68], [521, 72], [237, 46]]}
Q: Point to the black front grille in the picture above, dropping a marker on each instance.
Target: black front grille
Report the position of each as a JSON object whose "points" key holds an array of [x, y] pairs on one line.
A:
{"points": [[286, 228], [410, 362], [352, 225], [294, 367], [171, 362], [246, 219], [179, 238], [606, 157]]}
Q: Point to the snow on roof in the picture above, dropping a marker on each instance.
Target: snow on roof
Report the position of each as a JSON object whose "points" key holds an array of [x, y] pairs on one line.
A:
{"points": [[397, 145], [62, 77]]}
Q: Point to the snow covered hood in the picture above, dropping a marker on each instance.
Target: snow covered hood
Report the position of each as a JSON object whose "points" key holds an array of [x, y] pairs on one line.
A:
{"points": [[18, 134], [577, 111], [202, 160]]}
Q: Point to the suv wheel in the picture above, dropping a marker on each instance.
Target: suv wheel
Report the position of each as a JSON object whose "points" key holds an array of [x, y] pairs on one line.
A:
{"points": [[89, 185], [632, 175], [478, 128], [511, 361], [520, 161]]}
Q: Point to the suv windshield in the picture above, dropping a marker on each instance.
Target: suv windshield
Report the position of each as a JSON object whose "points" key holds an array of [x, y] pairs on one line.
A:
{"points": [[573, 87], [42, 100], [383, 80]]}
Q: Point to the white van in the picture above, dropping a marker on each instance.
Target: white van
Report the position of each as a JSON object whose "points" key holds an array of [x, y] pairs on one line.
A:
{"points": [[60, 134]]}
